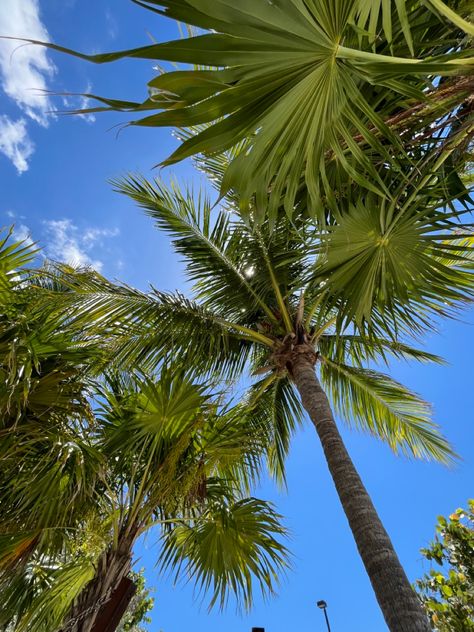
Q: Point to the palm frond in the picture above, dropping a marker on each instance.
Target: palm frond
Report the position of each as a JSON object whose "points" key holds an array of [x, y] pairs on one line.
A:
{"points": [[317, 89], [379, 260], [211, 249], [14, 255], [359, 350], [278, 413], [143, 329], [229, 549], [385, 409], [51, 605]]}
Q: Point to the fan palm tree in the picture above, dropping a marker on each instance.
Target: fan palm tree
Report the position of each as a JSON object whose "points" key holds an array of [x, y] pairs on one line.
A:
{"points": [[87, 469], [273, 300], [175, 463], [169, 460], [324, 93]]}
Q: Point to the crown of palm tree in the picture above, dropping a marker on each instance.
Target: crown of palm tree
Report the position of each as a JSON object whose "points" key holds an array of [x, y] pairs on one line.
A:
{"points": [[259, 290]]}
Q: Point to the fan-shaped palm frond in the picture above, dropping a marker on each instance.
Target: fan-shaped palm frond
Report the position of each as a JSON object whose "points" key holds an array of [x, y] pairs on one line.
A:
{"points": [[229, 548], [50, 605], [414, 260], [14, 255], [323, 92]]}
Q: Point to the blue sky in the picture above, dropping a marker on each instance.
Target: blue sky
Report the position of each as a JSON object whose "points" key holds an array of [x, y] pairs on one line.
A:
{"points": [[53, 178]]}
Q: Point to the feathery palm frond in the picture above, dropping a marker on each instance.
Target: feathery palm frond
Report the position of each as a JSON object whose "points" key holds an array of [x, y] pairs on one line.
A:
{"points": [[386, 409], [212, 251], [143, 329], [277, 409], [359, 350]]}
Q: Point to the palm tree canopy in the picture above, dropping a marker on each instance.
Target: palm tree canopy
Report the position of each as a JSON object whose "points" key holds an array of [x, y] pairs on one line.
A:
{"points": [[257, 289], [322, 94], [103, 456]]}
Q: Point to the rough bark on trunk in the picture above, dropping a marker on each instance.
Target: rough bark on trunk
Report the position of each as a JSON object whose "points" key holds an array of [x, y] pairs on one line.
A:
{"points": [[112, 566], [399, 603]]}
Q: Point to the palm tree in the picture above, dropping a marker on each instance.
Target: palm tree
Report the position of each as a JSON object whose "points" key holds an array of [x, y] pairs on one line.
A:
{"points": [[353, 113], [324, 93], [274, 300], [86, 469], [175, 463], [49, 472]]}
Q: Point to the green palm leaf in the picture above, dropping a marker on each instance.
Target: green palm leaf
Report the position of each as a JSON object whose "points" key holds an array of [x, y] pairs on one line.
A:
{"points": [[376, 258], [359, 350], [229, 549], [277, 410], [13, 256], [143, 329], [385, 409], [312, 87], [214, 261]]}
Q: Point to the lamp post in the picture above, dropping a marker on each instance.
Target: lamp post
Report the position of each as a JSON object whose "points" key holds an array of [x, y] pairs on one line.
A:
{"points": [[323, 606]]}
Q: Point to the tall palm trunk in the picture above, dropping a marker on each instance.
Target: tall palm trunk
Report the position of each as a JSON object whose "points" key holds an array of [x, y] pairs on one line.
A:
{"points": [[399, 603], [112, 567]]}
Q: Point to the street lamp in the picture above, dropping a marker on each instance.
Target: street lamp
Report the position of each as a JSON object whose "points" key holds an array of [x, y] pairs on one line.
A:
{"points": [[323, 606]]}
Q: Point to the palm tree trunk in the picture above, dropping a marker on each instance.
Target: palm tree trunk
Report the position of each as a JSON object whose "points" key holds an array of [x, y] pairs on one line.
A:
{"points": [[399, 603], [113, 565]]}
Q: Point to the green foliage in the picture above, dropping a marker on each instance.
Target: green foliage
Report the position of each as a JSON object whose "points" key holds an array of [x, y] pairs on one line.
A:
{"points": [[338, 133], [105, 456], [447, 591], [211, 551], [253, 286], [141, 604], [319, 95], [386, 409], [396, 256]]}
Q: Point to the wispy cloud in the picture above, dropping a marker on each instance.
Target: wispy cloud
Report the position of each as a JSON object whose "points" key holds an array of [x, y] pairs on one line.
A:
{"points": [[15, 143], [80, 102], [111, 22], [22, 232], [67, 243]]}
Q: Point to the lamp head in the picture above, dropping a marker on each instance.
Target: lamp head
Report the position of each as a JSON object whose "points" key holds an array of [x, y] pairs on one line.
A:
{"points": [[322, 604]]}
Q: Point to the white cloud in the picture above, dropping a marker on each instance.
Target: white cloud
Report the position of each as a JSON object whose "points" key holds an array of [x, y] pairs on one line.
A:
{"points": [[111, 22], [23, 233], [84, 103], [93, 235], [66, 242], [15, 142], [79, 102], [25, 69]]}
